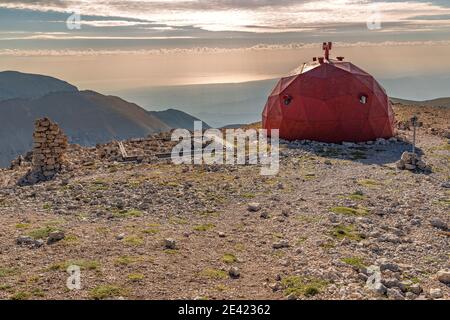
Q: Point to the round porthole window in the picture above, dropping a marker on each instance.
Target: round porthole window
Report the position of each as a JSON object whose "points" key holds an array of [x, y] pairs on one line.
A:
{"points": [[363, 99], [287, 99]]}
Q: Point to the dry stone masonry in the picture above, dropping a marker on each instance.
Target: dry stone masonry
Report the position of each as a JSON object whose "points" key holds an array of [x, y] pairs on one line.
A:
{"points": [[49, 149], [412, 162]]}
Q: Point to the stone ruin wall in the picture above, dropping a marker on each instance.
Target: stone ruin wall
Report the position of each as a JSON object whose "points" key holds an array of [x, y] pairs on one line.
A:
{"points": [[49, 148]]}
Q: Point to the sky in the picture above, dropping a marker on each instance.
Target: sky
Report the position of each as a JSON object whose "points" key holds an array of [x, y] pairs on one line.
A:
{"points": [[110, 45]]}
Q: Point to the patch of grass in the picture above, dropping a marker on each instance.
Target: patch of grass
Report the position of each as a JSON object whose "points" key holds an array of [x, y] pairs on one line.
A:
{"points": [[133, 240], [99, 185], [369, 183], [106, 291], [178, 221], [357, 196], [46, 206], [125, 260], [301, 240], [204, 227], [358, 155], [248, 195], [23, 226], [42, 233], [7, 272], [136, 277], [302, 286], [214, 274], [229, 258], [171, 251], [83, 264], [350, 211], [310, 176], [5, 287], [71, 239], [355, 262], [21, 295], [346, 232], [132, 213]]}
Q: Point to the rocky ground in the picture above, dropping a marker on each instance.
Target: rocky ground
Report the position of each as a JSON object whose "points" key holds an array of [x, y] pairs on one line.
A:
{"points": [[317, 230]]}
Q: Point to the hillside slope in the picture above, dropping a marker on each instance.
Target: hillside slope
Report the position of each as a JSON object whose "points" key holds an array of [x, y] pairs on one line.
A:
{"points": [[86, 117], [15, 84], [178, 119]]}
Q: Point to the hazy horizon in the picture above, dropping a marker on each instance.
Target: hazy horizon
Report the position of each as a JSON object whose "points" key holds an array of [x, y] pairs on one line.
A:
{"points": [[120, 46]]}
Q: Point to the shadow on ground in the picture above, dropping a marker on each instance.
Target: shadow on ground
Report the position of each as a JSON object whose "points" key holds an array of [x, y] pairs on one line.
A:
{"points": [[378, 154]]}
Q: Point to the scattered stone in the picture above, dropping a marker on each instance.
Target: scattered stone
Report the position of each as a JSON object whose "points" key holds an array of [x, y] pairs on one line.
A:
{"points": [[395, 294], [385, 265], [281, 244], [436, 293], [55, 236], [444, 276], [49, 149], [264, 215], [439, 224], [170, 244], [29, 241], [415, 288], [222, 235], [291, 297], [24, 240], [234, 272], [254, 207], [410, 296], [120, 236]]}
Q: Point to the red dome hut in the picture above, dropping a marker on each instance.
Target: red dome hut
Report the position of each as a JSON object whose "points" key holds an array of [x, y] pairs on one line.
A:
{"points": [[329, 100]]}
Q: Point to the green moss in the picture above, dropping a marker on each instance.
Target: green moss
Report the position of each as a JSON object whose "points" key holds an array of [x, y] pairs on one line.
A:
{"points": [[136, 277], [356, 262], [171, 251], [229, 258], [42, 233], [23, 226], [178, 221], [106, 291], [7, 272], [83, 264], [357, 196], [204, 227], [133, 213], [369, 183], [215, 274], [71, 239], [125, 260], [350, 211], [21, 295], [248, 195], [133, 240], [346, 231], [302, 286], [5, 287]]}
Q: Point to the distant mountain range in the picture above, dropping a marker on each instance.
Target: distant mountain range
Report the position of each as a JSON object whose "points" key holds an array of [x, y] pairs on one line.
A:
{"points": [[178, 119], [440, 102], [87, 117]]}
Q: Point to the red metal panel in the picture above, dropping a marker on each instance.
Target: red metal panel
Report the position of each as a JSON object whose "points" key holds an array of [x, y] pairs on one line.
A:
{"points": [[324, 104]]}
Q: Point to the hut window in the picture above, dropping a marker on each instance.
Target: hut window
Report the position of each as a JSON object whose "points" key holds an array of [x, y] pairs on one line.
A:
{"points": [[363, 99], [287, 99]]}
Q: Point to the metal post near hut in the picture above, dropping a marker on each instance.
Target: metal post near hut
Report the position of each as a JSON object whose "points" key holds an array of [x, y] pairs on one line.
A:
{"points": [[414, 123]]}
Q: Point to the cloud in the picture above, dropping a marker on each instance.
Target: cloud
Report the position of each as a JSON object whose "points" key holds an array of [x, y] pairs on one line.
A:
{"points": [[254, 16], [211, 50]]}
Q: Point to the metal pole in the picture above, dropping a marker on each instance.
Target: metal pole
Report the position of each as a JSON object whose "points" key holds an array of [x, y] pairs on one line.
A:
{"points": [[414, 123]]}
